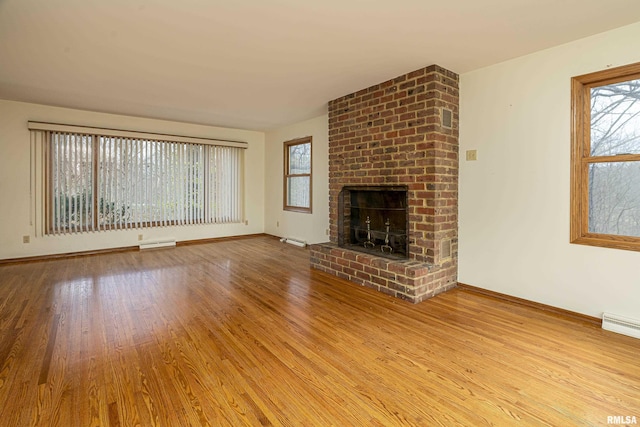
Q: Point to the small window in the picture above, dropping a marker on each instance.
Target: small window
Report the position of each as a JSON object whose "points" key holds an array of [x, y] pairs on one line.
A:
{"points": [[297, 175], [605, 158]]}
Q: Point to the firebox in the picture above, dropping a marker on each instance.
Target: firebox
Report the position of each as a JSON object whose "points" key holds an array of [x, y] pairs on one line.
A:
{"points": [[374, 220]]}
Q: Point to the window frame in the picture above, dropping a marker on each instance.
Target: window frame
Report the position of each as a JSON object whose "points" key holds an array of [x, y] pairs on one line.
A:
{"points": [[581, 157], [287, 175]]}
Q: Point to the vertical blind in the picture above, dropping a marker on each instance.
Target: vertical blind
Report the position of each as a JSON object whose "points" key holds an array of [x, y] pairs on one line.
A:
{"points": [[106, 182]]}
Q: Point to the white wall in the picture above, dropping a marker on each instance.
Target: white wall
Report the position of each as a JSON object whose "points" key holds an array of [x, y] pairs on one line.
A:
{"points": [[278, 222], [514, 200], [14, 182]]}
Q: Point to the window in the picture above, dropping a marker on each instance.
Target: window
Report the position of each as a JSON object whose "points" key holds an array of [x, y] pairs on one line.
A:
{"points": [[297, 175], [605, 158], [98, 179]]}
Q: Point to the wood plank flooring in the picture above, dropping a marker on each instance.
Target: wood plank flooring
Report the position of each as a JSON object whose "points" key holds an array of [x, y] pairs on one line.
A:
{"points": [[243, 333]]}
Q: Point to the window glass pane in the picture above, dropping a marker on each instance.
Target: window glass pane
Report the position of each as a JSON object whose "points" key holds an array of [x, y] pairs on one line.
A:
{"points": [[300, 159], [112, 208], [298, 191], [615, 119], [71, 180], [614, 198]]}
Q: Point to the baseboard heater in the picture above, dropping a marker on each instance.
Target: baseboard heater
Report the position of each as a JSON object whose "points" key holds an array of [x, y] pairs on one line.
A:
{"points": [[156, 244], [294, 242], [621, 325]]}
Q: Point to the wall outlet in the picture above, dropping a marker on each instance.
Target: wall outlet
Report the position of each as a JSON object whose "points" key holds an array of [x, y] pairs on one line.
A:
{"points": [[26, 239], [246, 222], [140, 237], [277, 223], [326, 231]]}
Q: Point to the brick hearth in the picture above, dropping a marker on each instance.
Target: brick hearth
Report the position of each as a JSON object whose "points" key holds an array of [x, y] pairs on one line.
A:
{"points": [[400, 132]]}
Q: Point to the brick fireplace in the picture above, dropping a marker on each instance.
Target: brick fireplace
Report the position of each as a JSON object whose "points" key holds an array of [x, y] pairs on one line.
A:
{"points": [[402, 133]]}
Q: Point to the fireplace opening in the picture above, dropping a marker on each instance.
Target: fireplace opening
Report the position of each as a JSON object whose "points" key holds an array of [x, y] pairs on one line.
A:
{"points": [[374, 220]]}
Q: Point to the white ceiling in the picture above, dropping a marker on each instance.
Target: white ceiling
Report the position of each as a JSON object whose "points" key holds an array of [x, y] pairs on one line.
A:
{"points": [[261, 64]]}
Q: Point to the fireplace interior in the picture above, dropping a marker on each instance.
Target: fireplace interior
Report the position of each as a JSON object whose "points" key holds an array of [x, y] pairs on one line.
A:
{"points": [[375, 220]]}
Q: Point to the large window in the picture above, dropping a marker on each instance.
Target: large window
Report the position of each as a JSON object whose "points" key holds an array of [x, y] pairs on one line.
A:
{"points": [[605, 174], [297, 175], [97, 179]]}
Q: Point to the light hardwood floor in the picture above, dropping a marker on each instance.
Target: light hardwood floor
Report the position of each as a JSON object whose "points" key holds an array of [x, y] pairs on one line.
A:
{"points": [[242, 332]]}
